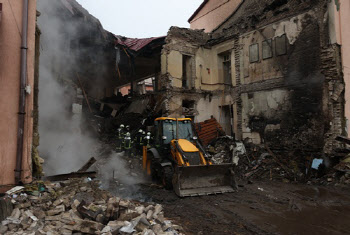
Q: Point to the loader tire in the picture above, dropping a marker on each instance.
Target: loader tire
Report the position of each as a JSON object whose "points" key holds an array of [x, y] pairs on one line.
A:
{"points": [[167, 177], [154, 172]]}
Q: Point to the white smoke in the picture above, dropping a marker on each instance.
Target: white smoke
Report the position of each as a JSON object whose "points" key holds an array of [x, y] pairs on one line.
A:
{"points": [[65, 144]]}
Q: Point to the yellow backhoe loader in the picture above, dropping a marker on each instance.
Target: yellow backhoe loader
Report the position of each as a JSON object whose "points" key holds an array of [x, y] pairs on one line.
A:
{"points": [[180, 162]]}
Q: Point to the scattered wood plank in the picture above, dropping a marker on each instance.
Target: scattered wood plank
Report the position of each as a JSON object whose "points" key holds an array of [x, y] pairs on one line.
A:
{"points": [[85, 96], [87, 165], [343, 139], [277, 161], [62, 177]]}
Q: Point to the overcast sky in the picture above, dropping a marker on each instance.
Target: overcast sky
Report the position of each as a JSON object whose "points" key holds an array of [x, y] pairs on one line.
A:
{"points": [[141, 18]]}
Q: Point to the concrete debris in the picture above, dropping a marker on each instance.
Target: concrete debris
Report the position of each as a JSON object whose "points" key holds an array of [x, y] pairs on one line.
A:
{"points": [[15, 190], [260, 162], [61, 209], [225, 149]]}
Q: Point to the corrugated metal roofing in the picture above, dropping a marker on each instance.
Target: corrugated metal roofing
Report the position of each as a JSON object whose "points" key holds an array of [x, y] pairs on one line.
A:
{"points": [[208, 130], [135, 44]]}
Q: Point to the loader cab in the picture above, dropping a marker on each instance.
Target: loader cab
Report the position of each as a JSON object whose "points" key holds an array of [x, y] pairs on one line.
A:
{"points": [[166, 130]]}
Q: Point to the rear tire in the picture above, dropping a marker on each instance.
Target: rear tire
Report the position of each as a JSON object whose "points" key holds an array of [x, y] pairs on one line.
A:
{"points": [[167, 177]]}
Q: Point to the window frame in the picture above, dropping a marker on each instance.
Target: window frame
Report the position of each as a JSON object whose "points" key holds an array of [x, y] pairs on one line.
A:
{"points": [[269, 46], [285, 45], [258, 53]]}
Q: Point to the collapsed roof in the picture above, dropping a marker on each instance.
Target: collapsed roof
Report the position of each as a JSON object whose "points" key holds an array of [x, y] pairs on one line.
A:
{"points": [[136, 44]]}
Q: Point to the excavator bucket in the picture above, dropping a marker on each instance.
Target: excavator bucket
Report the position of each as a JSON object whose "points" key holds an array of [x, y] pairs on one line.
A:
{"points": [[203, 180]]}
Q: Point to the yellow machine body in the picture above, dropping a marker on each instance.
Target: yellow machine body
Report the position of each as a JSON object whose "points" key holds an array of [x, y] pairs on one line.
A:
{"points": [[192, 173]]}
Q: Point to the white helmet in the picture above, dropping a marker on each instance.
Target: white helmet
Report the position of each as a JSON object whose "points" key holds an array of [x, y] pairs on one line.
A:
{"points": [[140, 131], [148, 133], [143, 132], [121, 126]]}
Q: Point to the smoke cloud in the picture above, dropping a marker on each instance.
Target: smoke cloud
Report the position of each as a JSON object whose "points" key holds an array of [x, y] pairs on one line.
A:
{"points": [[116, 176], [64, 144], [66, 139]]}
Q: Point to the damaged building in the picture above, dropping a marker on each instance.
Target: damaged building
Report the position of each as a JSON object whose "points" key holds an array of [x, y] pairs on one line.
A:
{"points": [[84, 56], [271, 73]]}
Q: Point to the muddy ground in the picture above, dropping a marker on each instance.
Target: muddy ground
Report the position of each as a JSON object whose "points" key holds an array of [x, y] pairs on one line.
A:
{"points": [[264, 207], [259, 207]]}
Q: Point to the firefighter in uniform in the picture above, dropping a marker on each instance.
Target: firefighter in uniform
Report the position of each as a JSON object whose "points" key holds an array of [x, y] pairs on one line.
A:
{"points": [[120, 138], [138, 140], [147, 140], [127, 144]]}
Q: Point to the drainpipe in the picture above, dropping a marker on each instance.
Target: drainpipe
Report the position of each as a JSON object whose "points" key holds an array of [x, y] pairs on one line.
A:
{"points": [[22, 94]]}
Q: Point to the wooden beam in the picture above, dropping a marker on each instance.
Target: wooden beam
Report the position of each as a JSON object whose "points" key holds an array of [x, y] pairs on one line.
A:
{"points": [[87, 165], [82, 88], [343, 139], [62, 177]]}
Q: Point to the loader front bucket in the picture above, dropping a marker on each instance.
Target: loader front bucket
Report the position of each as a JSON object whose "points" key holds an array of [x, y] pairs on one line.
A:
{"points": [[203, 180]]}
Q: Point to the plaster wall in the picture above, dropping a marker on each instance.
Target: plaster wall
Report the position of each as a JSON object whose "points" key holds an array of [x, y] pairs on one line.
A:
{"points": [[213, 14], [174, 62], [208, 66], [10, 54], [267, 105], [269, 68], [205, 106]]}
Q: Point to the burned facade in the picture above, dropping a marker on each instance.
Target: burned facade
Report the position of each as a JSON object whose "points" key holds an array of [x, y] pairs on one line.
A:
{"points": [[137, 60], [77, 69], [81, 48], [269, 74]]}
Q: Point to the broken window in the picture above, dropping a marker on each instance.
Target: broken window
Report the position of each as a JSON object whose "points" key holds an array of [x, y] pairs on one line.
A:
{"points": [[225, 59], [145, 86], [125, 90], [227, 69], [281, 45], [188, 108], [254, 53], [186, 71], [267, 49], [226, 118]]}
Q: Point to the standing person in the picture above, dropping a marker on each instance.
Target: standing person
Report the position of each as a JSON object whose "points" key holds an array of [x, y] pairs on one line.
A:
{"points": [[120, 138], [127, 144], [148, 140], [138, 140]]}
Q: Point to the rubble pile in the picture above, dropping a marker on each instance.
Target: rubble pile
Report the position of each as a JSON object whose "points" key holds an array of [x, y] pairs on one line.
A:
{"points": [[221, 149], [79, 206], [254, 161]]}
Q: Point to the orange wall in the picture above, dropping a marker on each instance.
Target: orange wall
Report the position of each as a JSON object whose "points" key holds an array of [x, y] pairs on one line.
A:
{"points": [[345, 42], [213, 14], [10, 43], [342, 35]]}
